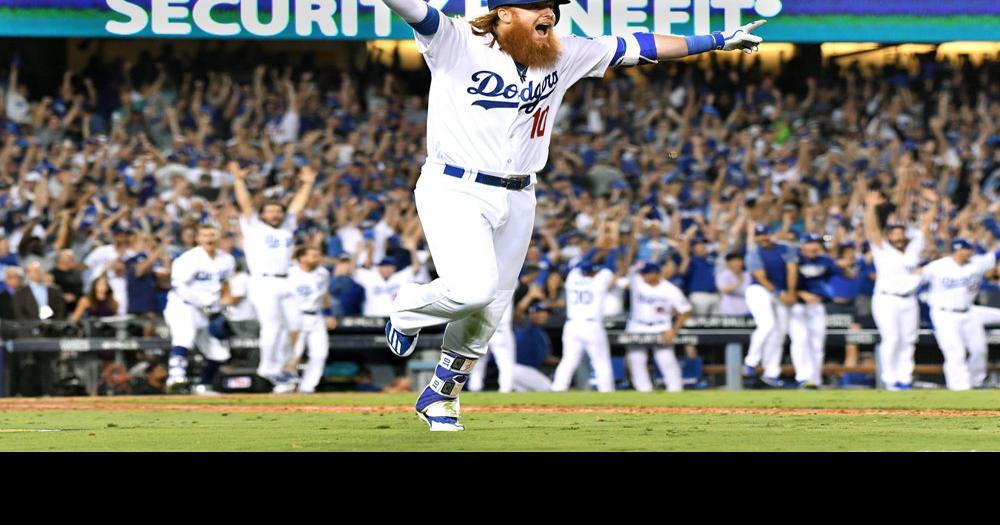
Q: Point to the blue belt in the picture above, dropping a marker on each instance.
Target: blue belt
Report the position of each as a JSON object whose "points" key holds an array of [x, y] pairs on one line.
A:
{"points": [[952, 310], [516, 182]]}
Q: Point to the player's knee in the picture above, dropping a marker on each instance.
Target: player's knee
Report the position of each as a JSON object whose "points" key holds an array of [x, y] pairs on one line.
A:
{"points": [[475, 294]]}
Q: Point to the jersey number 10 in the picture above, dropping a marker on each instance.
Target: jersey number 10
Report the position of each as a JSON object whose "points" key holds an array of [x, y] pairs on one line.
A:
{"points": [[538, 122]]}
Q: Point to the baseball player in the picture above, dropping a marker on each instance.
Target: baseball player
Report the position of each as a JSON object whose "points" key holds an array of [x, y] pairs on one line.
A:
{"points": [[655, 303], [310, 283], [502, 347], [954, 282], [774, 268], [496, 84], [985, 316], [584, 330], [199, 279], [267, 241], [894, 301], [807, 317], [382, 283]]}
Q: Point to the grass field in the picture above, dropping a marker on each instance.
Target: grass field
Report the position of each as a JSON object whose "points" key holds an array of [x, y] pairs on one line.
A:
{"points": [[576, 421]]}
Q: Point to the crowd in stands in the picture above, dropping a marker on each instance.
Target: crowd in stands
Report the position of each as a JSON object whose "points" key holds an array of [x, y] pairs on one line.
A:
{"points": [[103, 180]]}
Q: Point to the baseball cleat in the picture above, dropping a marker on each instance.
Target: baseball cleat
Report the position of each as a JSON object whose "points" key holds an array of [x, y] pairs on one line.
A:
{"points": [[441, 424], [285, 383], [772, 382], [399, 343], [903, 386], [749, 371], [204, 390], [807, 385]]}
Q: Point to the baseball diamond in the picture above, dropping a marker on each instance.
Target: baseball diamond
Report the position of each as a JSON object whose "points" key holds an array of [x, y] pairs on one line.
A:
{"points": [[538, 225]]}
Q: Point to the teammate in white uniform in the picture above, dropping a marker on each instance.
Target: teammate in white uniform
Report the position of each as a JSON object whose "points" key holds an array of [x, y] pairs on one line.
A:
{"points": [[978, 355], [199, 279], [954, 282], [383, 283], [267, 241], [774, 268], [807, 318], [584, 329], [310, 283], [503, 349], [496, 84], [655, 303], [894, 301]]}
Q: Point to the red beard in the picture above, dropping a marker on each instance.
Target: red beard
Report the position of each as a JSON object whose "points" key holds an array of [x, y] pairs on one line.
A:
{"points": [[519, 42]]}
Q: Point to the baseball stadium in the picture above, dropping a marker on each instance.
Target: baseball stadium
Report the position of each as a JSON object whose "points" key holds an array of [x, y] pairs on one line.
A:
{"points": [[603, 225]]}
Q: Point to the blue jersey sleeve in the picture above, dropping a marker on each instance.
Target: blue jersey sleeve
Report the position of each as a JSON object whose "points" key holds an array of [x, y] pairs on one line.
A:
{"points": [[791, 254]]}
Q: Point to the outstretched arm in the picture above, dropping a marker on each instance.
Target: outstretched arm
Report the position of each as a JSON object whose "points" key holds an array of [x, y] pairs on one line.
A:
{"points": [[639, 48], [412, 11], [240, 188]]}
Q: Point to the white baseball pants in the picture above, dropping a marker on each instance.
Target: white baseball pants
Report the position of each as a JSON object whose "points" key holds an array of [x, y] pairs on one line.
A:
{"points": [[704, 303], [768, 339], [276, 312], [478, 237], [189, 329], [314, 339], [897, 319], [666, 361], [528, 379], [807, 329], [978, 357], [956, 333], [501, 347], [579, 337]]}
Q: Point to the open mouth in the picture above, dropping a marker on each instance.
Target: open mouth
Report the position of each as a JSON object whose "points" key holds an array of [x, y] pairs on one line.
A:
{"points": [[542, 29]]}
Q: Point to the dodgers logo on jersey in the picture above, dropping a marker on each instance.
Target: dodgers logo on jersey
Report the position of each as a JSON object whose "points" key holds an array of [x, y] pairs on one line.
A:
{"points": [[492, 85], [276, 242]]}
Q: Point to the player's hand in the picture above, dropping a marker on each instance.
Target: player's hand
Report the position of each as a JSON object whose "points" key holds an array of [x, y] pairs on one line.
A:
{"points": [[742, 38], [810, 298], [787, 298], [236, 171], [307, 175], [331, 323], [668, 336]]}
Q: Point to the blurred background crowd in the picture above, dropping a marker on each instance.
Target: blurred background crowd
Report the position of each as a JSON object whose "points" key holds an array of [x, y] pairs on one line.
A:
{"points": [[104, 179]]}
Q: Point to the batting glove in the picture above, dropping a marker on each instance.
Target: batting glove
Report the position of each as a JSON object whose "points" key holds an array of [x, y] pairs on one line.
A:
{"points": [[741, 38]]}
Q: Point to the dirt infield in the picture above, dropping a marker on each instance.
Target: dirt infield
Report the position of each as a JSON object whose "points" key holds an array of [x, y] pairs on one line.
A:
{"points": [[245, 404]]}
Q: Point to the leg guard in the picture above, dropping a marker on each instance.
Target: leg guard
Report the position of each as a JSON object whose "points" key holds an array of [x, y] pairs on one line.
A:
{"points": [[440, 397]]}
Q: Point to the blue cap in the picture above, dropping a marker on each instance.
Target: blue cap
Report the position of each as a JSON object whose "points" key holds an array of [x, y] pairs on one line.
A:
{"points": [[586, 266], [387, 261], [538, 306], [650, 267], [812, 237], [762, 229], [960, 243]]}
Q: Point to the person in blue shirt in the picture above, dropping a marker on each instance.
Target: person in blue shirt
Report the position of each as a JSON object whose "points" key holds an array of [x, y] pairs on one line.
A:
{"points": [[845, 287], [534, 350], [347, 296], [807, 319], [698, 268], [774, 268]]}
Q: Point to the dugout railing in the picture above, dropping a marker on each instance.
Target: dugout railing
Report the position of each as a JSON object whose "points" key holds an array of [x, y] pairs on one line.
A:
{"points": [[721, 341]]}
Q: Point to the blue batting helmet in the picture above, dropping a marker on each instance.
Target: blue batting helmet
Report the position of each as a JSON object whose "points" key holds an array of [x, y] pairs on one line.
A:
{"points": [[219, 327], [493, 4]]}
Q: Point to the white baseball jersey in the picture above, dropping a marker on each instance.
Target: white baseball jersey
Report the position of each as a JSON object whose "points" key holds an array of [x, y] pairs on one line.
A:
{"points": [[310, 287], [485, 114], [652, 306], [197, 278], [585, 294], [379, 292], [954, 287], [239, 286], [894, 268], [269, 250]]}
